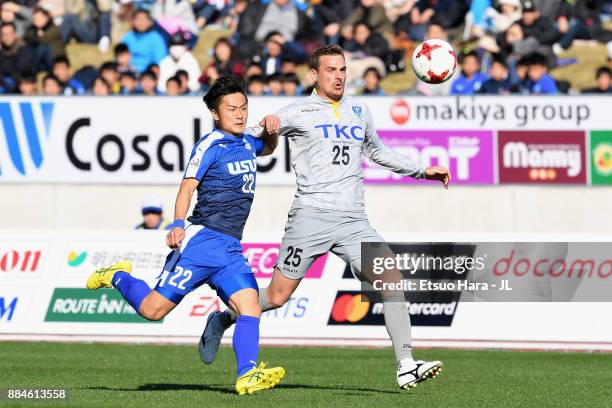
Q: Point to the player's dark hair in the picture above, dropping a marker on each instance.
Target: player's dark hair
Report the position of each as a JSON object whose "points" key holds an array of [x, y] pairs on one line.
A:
{"points": [[323, 51], [225, 85]]}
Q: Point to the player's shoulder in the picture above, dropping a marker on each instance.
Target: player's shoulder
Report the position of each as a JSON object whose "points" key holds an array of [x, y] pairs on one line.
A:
{"points": [[209, 141], [301, 106]]}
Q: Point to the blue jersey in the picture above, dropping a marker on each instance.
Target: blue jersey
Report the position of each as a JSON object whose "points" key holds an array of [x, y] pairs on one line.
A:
{"points": [[226, 168]]}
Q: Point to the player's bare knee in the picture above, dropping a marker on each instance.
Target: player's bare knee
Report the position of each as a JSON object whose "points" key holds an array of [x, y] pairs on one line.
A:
{"points": [[152, 313], [277, 299]]}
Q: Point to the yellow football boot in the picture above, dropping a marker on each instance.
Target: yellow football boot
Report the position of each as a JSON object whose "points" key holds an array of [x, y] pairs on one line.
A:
{"points": [[259, 378], [102, 277]]}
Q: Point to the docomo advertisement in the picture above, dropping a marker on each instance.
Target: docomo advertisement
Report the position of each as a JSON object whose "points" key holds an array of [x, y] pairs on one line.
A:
{"points": [[51, 303], [141, 140]]}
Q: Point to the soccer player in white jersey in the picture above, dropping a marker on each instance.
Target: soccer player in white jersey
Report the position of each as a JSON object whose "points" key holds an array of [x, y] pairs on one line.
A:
{"points": [[328, 134]]}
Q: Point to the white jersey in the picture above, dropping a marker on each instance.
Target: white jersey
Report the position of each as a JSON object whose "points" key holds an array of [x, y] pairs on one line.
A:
{"points": [[327, 141]]}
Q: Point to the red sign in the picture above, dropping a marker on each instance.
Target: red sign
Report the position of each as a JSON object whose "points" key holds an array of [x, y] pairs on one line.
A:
{"points": [[19, 261], [400, 112], [543, 157]]}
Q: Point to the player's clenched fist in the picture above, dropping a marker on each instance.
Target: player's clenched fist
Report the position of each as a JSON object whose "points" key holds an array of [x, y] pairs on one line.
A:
{"points": [[271, 124], [175, 237], [438, 173]]}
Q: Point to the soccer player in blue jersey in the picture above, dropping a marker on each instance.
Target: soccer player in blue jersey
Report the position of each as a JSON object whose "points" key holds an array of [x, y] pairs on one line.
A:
{"points": [[222, 169]]}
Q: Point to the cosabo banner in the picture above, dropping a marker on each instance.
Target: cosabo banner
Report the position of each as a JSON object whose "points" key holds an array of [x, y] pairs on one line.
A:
{"points": [[143, 140]]}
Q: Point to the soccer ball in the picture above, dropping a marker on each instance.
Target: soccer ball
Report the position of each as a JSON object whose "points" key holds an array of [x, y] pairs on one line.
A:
{"points": [[434, 61]]}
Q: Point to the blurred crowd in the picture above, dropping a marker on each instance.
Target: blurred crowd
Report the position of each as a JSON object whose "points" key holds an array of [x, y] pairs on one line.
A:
{"points": [[507, 46]]}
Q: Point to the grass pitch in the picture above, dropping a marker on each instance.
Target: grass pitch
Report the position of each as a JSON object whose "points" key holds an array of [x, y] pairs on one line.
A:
{"points": [[150, 376]]}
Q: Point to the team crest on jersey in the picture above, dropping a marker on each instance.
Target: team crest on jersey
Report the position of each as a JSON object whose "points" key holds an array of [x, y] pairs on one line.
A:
{"points": [[357, 111], [247, 145]]}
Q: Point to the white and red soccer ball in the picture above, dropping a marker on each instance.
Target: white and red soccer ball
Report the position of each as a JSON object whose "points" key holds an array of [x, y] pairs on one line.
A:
{"points": [[434, 61]]}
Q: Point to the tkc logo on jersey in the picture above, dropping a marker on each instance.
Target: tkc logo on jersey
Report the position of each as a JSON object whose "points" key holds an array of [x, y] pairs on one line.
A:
{"points": [[341, 131], [24, 118], [242, 167]]}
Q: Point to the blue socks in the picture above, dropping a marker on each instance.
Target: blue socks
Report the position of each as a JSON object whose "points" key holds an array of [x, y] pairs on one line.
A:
{"points": [[132, 289], [246, 343]]}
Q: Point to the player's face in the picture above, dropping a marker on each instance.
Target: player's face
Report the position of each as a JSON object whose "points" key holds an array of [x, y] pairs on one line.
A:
{"points": [[233, 113], [330, 76]]}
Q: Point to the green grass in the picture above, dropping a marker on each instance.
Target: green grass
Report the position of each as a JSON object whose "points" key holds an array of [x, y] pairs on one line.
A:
{"points": [[170, 376]]}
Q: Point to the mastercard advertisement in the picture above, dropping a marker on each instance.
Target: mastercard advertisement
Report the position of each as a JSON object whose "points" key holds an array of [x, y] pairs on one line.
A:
{"points": [[353, 308]]}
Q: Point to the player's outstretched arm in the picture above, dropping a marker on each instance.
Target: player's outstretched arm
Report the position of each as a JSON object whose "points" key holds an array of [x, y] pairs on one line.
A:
{"points": [[270, 129], [438, 173], [183, 200]]}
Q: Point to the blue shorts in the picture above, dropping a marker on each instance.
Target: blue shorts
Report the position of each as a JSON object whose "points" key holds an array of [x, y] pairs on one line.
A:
{"points": [[205, 256]]}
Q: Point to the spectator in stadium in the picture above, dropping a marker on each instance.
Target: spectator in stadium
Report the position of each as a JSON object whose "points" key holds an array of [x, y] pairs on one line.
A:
{"points": [[291, 84], [289, 66], [223, 63], [173, 86], [15, 57], [172, 16], [583, 21], [448, 13], [18, 14], [537, 26], [371, 82], [509, 12], [110, 73], [27, 84], [148, 84], [372, 14], [516, 43], [253, 69], [539, 80], [123, 58], [179, 58], [328, 18], [499, 82], [273, 53], [100, 87], [153, 215], [52, 86], [518, 78], [367, 43], [88, 22], [208, 11], [62, 71], [256, 85], [275, 86], [604, 81], [146, 45], [470, 79], [185, 80], [45, 40], [259, 19], [129, 84]]}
